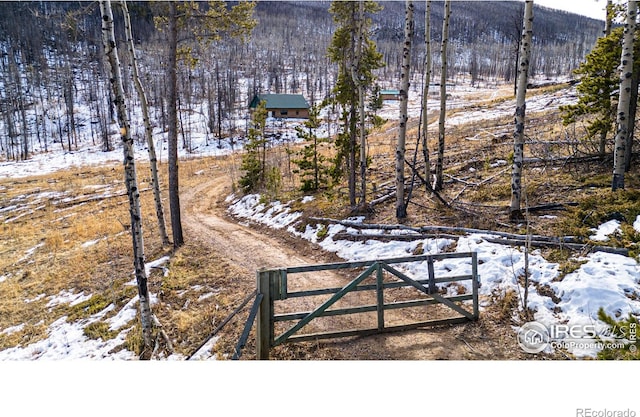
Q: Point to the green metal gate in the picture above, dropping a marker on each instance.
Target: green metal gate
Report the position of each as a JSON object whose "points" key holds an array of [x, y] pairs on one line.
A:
{"points": [[273, 286]]}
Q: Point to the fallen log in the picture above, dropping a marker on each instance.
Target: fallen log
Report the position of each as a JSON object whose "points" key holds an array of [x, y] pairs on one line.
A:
{"points": [[551, 206], [439, 230], [501, 241]]}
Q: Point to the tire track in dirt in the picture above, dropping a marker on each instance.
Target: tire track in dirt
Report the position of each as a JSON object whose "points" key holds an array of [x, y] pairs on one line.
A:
{"points": [[251, 249]]}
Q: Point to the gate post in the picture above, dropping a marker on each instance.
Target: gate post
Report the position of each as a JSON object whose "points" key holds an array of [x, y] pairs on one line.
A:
{"points": [[380, 296], [432, 276], [263, 325], [475, 284]]}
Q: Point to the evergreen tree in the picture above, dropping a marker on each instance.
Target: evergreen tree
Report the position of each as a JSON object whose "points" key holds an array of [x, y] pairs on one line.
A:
{"points": [[311, 163], [375, 105], [254, 159], [357, 57], [598, 89], [626, 333]]}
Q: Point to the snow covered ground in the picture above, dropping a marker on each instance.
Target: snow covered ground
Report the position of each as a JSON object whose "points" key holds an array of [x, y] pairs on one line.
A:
{"points": [[603, 280]]}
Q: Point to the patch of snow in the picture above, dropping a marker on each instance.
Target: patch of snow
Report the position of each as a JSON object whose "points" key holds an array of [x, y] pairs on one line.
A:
{"points": [[36, 298], [90, 243], [13, 329], [499, 163], [205, 296], [128, 313], [604, 230], [158, 263], [636, 224], [307, 199], [204, 353], [29, 252], [68, 341], [605, 281], [67, 297]]}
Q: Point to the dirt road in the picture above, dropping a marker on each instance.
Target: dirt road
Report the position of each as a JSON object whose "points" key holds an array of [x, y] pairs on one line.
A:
{"points": [[251, 248]]}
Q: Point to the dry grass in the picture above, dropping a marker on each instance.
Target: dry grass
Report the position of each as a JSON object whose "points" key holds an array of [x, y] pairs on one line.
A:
{"points": [[69, 231]]}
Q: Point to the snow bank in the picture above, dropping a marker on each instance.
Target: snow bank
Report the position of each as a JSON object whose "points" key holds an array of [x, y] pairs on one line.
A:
{"points": [[604, 280]]}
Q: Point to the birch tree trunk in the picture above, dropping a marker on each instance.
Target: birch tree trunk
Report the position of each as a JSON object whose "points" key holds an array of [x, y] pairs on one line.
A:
{"points": [[356, 69], [425, 92], [518, 136], [172, 135], [401, 207], [624, 102], [153, 159], [109, 42], [443, 96], [633, 109]]}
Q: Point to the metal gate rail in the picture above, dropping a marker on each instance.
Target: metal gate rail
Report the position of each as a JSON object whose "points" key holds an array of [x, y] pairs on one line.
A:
{"points": [[273, 285]]}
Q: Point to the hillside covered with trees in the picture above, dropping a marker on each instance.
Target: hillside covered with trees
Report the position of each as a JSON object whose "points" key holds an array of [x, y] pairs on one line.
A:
{"points": [[51, 54]]}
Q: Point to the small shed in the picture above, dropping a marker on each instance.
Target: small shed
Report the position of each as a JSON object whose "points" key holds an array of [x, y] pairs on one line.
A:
{"points": [[390, 94], [283, 105]]}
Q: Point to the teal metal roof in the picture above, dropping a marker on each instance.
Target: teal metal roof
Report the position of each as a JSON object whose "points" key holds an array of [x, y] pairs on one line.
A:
{"points": [[396, 92], [280, 101]]}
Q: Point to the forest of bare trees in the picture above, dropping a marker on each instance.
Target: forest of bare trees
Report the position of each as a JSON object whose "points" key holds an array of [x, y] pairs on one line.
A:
{"points": [[51, 54]]}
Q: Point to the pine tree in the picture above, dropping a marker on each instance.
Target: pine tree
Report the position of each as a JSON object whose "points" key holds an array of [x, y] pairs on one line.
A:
{"points": [[254, 159], [357, 58], [311, 164], [598, 89], [375, 105], [625, 332]]}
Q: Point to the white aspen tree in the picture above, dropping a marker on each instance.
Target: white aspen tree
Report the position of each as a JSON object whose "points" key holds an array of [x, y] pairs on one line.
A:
{"points": [[443, 96], [425, 93], [518, 136], [148, 130], [133, 192], [401, 206], [624, 102], [355, 71]]}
